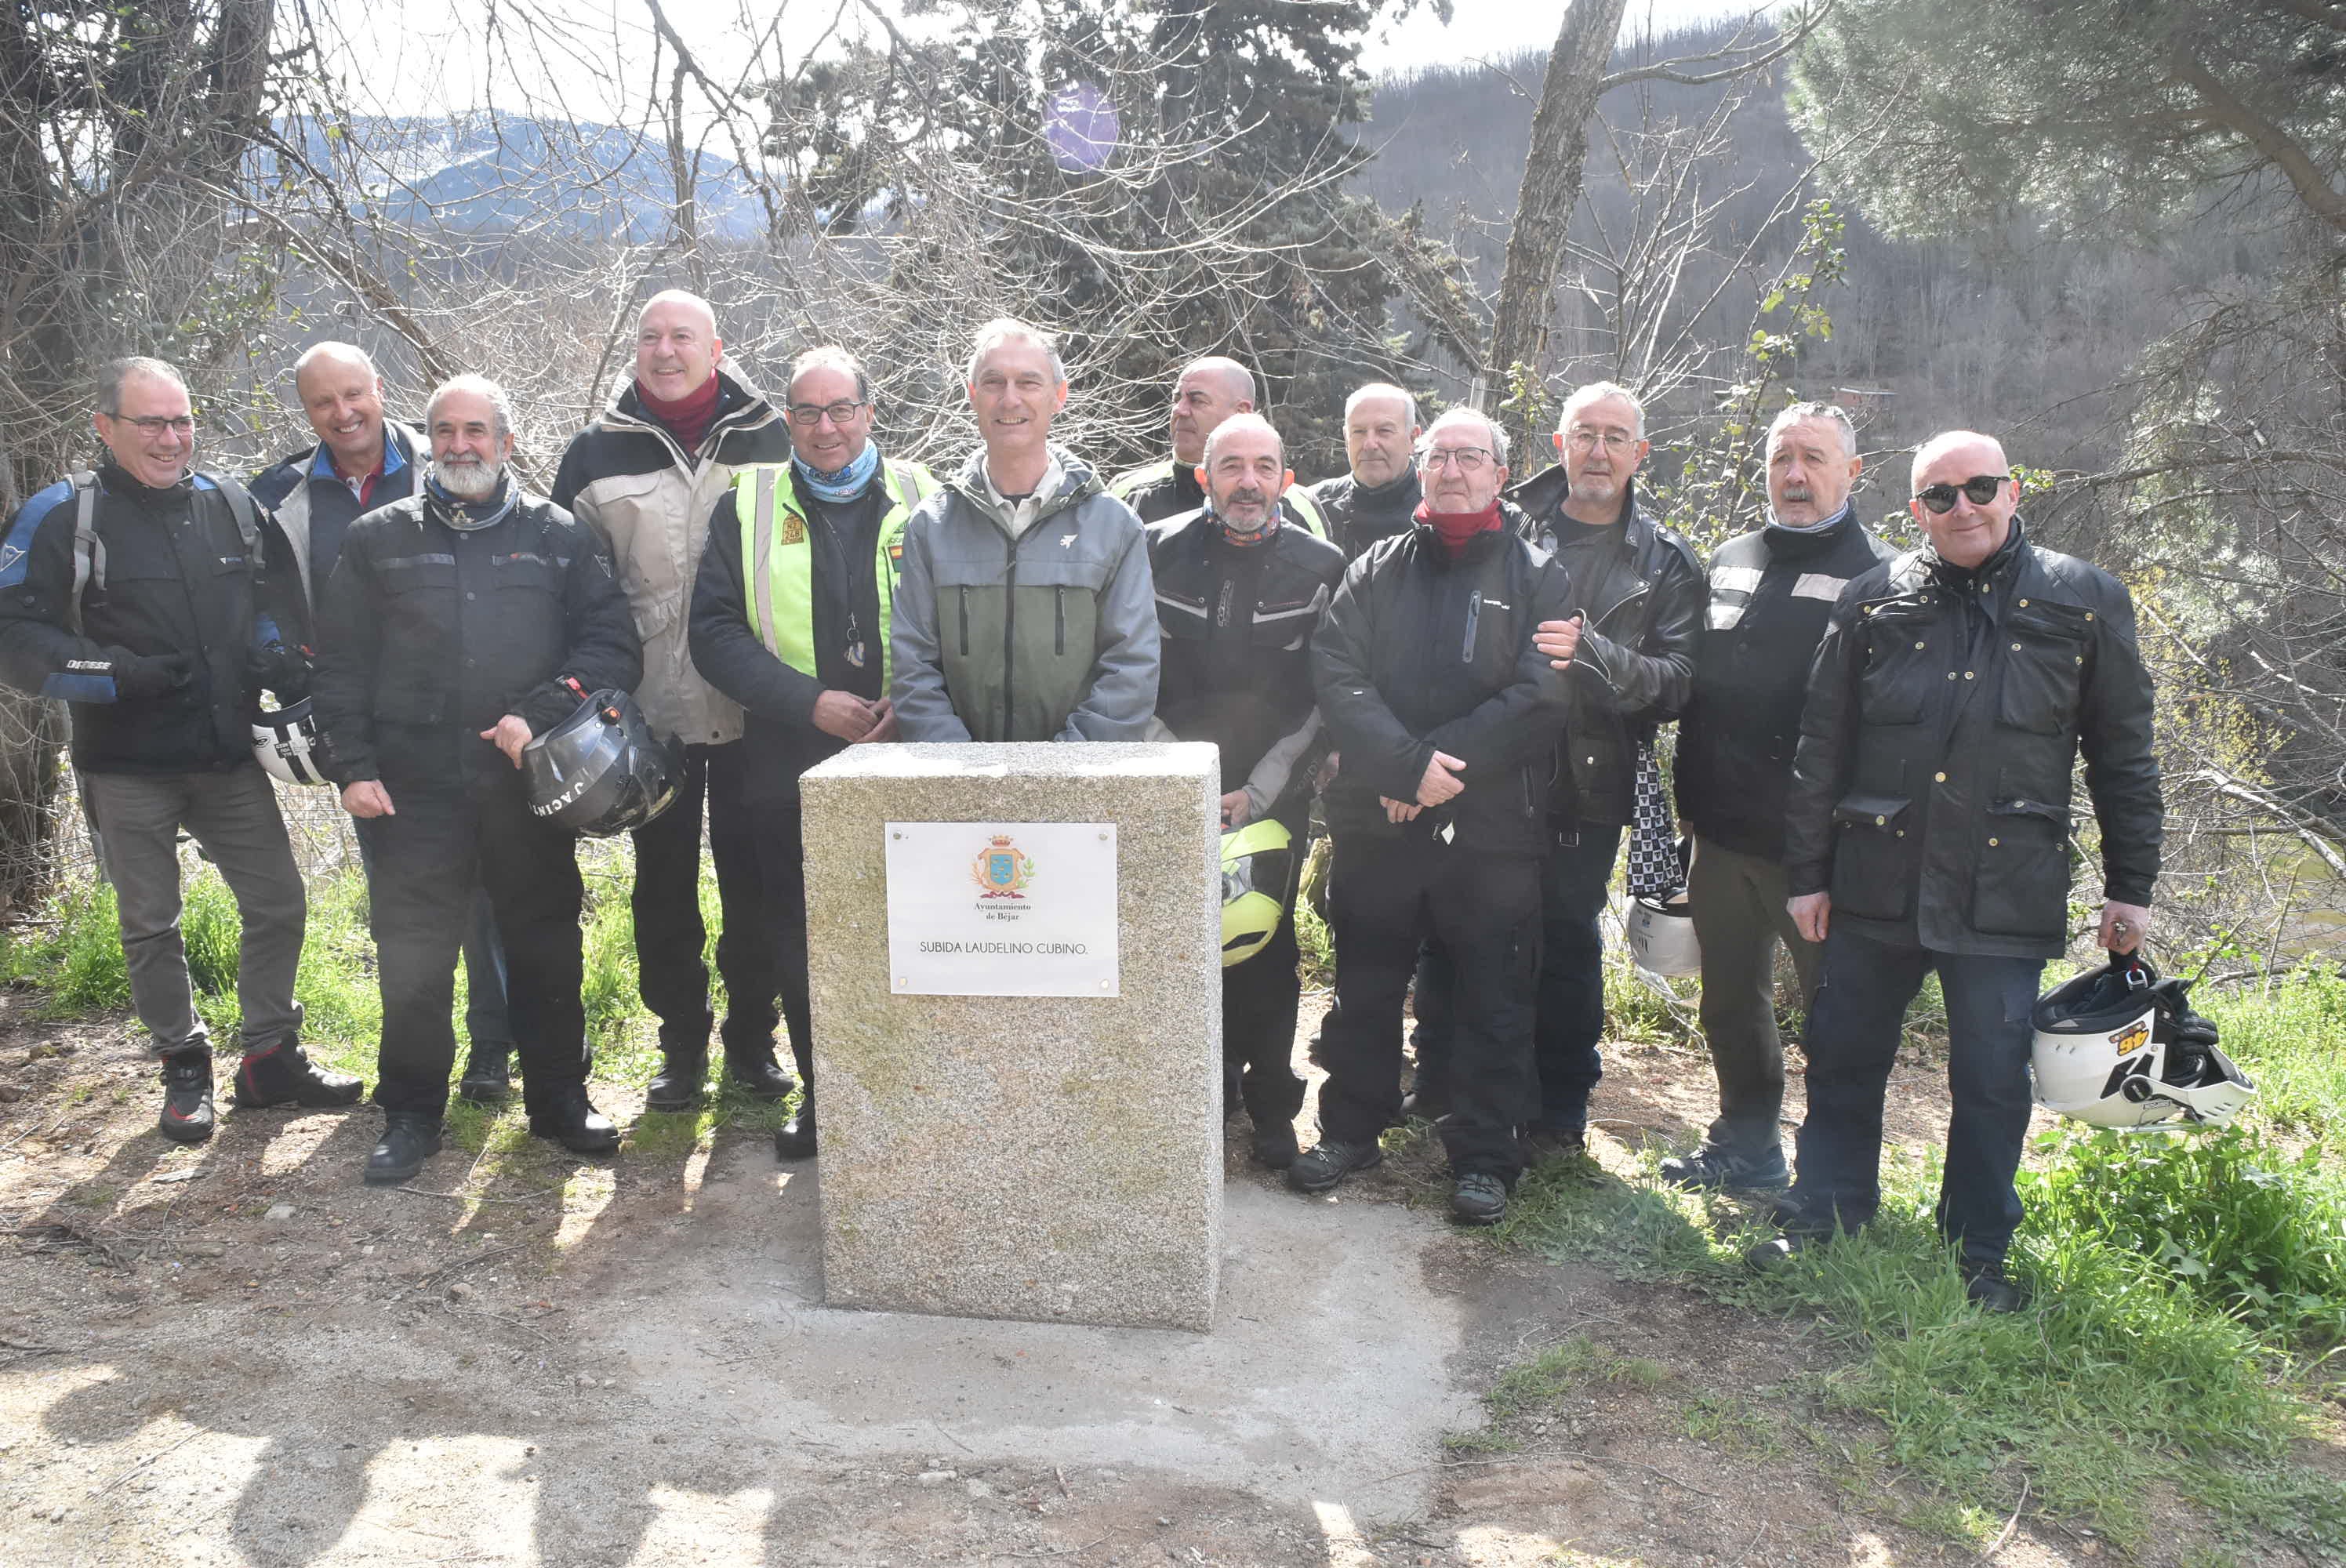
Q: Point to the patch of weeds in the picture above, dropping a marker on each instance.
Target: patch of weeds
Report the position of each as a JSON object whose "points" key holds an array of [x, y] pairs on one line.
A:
{"points": [[2256, 1232], [97, 1196], [1563, 1369], [2291, 1038], [1483, 1440], [1736, 1426], [76, 957], [1575, 1209]]}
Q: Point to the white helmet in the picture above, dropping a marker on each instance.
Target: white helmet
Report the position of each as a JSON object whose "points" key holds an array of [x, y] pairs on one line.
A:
{"points": [[288, 746], [1661, 937], [2119, 1047]]}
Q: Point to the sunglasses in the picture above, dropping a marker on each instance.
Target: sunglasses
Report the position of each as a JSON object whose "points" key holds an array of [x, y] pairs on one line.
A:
{"points": [[1979, 490]]}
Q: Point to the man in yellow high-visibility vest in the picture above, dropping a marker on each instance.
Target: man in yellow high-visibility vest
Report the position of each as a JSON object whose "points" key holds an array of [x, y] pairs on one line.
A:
{"points": [[790, 618]]}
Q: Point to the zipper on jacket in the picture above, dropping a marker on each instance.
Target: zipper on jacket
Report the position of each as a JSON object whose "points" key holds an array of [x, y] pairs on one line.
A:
{"points": [[1009, 637], [1060, 619], [1639, 592], [964, 621], [1473, 614]]}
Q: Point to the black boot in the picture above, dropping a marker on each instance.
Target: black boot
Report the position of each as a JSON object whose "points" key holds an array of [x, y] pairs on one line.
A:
{"points": [[676, 1086], [409, 1138], [795, 1139], [188, 1115], [568, 1117], [284, 1074], [757, 1075], [488, 1074]]}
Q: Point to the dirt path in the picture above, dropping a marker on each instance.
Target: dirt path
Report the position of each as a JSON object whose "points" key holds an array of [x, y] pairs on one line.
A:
{"points": [[241, 1355]]}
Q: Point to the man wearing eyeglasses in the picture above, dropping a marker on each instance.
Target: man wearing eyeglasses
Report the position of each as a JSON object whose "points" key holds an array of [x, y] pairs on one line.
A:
{"points": [[645, 476], [1928, 830], [1628, 646], [790, 619], [1445, 713], [156, 627]]}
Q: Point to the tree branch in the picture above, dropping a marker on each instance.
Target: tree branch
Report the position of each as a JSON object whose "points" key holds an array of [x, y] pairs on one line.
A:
{"points": [[2320, 197]]}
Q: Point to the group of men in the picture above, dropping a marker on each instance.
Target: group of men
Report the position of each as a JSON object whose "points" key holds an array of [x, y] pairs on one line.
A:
{"points": [[1873, 755]]}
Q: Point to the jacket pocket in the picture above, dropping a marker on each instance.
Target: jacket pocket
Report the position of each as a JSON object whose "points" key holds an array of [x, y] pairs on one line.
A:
{"points": [[2021, 887], [528, 589], [1901, 662], [1873, 857], [2044, 656]]}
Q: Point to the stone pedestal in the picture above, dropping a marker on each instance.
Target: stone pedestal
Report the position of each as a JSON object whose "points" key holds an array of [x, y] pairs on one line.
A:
{"points": [[1056, 1158]]}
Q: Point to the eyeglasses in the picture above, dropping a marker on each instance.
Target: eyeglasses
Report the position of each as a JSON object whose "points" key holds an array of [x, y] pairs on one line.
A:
{"points": [[1979, 490], [156, 424], [1464, 459], [1580, 438], [810, 414]]}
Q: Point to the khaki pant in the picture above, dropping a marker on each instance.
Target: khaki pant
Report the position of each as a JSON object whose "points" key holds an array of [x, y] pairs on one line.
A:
{"points": [[1738, 903], [233, 816]]}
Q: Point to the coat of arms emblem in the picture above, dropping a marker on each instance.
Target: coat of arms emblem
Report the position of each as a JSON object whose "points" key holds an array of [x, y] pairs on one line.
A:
{"points": [[1001, 868]]}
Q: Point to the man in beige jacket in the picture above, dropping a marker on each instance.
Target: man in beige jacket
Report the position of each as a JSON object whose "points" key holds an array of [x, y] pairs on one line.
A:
{"points": [[645, 475]]}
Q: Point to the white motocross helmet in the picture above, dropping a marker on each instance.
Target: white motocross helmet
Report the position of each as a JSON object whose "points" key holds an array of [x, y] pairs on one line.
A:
{"points": [[288, 746], [2119, 1047]]}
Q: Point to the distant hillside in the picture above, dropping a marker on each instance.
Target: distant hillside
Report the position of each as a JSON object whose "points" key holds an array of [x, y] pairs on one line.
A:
{"points": [[496, 174], [2005, 332]]}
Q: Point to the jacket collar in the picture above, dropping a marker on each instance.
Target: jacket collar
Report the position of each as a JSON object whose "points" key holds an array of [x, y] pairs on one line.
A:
{"points": [[399, 446], [1541, 499], [1078, 483], [740, 406], [1794, 544]]}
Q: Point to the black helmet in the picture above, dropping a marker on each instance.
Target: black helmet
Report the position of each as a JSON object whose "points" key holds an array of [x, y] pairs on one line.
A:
{"points": [[600, 771]]}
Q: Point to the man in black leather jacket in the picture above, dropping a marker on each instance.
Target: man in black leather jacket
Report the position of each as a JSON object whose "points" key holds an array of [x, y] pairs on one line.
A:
{"points": [[1445, 714], [1928, 830], [1636, 611]]}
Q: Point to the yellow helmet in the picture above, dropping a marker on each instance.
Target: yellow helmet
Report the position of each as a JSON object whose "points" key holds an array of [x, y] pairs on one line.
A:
{"points": [[1258, 870]]}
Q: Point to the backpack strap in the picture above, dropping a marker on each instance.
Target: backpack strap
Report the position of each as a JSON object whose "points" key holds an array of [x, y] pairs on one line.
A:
{"points": [[89, 550], [240, 506]]}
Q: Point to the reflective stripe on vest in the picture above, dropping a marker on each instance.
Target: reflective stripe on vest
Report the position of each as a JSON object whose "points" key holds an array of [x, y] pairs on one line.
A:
{"points": [[778, 563], [1307, 507]]}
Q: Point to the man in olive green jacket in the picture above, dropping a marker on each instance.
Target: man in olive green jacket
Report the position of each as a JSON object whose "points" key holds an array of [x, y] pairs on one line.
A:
{"points": [[1025, 611]]}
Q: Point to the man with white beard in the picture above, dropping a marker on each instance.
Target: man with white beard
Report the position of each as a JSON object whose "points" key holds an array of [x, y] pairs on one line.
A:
{"points": [[446, 638]]}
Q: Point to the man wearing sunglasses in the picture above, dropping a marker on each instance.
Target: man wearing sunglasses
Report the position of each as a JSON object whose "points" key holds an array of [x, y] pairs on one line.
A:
{"points": [[1929, 830], [645, 476], [152, 628]]}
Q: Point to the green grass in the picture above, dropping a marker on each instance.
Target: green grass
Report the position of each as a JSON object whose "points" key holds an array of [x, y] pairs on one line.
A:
{"points": [[2188, 1295], [75, 957]]}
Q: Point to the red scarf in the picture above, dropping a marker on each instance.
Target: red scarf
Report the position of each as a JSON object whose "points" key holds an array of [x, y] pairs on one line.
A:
{"points": [[1456, 528], [689, 417]]}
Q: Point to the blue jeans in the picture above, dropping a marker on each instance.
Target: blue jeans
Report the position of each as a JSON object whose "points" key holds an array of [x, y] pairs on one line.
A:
{"points": [[1852, 1039]]}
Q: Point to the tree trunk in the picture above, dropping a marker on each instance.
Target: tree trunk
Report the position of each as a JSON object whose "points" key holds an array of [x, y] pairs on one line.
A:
{"points": [[1550, 190]]}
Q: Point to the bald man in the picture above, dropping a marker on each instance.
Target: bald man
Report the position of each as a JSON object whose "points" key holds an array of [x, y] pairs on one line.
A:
{"points": [[645, 476], [1928, 830], [361, 460], [1208, 392]]}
